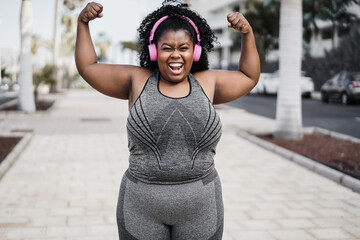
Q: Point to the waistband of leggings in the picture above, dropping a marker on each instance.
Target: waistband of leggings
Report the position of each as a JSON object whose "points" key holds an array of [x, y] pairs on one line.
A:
{"points": [[206, 179]]}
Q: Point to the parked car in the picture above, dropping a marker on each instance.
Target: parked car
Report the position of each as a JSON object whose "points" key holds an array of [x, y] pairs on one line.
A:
{"points": [[344, 86], [269, 84], [4, 87], [259, 88]]}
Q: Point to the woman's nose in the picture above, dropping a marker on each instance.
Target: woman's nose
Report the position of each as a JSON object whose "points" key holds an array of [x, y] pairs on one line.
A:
{"points": [[175, 53]]}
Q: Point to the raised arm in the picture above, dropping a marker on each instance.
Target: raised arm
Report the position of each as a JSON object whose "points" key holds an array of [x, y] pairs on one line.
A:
{"points": [[112, 80], [230, 85]]}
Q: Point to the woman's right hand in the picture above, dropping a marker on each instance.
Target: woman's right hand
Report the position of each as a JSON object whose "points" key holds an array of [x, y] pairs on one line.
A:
{"points": [[90, 12]]}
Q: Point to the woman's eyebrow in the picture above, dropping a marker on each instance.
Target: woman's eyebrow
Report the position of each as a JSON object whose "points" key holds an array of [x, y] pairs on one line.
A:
{"points": [[170, 45]]}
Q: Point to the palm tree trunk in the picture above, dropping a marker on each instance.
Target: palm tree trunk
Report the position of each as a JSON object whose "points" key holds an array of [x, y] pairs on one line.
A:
{"points": [[333, 32], [26, 100], [0, 67], [0, 60], [288, 106], [56, 47]]}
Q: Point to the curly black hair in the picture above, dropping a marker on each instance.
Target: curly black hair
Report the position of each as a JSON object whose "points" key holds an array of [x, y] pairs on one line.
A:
{"points": [[175, 10]]}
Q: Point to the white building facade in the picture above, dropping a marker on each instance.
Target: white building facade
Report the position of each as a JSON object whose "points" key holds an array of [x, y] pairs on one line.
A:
{"points": [[321, 41], [215, 12]]}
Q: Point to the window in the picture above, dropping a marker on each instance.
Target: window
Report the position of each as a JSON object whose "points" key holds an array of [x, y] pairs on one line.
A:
{"points": [[326, 33], [343, 31]]}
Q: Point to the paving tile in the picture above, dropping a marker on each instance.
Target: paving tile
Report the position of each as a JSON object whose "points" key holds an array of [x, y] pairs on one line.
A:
{"points": [[251, 235], [355, 231], [291, 234], [332, 212], [25, 233], [67, 212], [353, 221], [331, 233], [300, 213], [65, 183], [67, 231], [265, 214], [258, 224], [295, 223], [103, 230], [331, 222], [48, 221]]}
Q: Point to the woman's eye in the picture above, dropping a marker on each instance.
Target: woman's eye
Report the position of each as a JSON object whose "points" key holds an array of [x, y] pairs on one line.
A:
{"points": [[184, 48]]}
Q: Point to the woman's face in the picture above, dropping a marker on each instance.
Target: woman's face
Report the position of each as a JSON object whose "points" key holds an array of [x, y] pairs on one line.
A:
{"points": [[175, 55]]}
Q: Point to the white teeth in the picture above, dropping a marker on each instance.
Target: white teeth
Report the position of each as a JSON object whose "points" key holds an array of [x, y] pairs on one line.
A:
{"points": [[175, 64]]}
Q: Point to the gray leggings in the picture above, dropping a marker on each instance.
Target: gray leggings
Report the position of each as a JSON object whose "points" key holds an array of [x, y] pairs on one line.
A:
{"points": [[162, 212]]}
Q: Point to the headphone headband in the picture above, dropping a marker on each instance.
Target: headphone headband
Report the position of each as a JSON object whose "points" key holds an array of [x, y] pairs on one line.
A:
{"points": [[194, 26], [156, 25], [158, 22]]}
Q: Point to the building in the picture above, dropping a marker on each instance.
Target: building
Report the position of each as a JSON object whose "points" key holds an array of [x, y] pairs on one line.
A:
{"points": [[321, 41], [226, 54], [215, 12]]}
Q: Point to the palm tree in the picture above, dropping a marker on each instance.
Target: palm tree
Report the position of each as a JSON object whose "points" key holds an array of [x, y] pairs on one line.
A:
{"points": [[55, 47], [63, 46], [288, 107], [26, 100], [336, 11], [264, 19], [103, 43], [0, 61]]}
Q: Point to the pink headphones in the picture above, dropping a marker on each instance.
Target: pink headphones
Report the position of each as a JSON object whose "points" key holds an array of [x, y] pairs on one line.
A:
{"points": [[152, 46]]}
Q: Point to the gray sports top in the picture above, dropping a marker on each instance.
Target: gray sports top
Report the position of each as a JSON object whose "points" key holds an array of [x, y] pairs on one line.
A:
{"points": [[172, 140]]}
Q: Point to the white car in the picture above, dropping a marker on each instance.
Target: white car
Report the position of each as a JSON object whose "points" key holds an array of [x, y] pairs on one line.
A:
{"points": [[269, 84], [259, 88]]}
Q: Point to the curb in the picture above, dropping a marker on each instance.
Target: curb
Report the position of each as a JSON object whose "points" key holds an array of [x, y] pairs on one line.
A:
{"points": [[335, 134], [53, 97], [15, 153], [323, 170]]}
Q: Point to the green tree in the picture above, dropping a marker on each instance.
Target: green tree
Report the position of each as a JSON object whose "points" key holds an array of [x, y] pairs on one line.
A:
{"points": [[264, 19], [64, 44], [45, 76], [102, 42], [4, 74], [336, 11]]}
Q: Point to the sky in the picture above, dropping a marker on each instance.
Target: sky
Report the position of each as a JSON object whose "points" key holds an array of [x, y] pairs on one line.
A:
{"points": [[120, 21]]}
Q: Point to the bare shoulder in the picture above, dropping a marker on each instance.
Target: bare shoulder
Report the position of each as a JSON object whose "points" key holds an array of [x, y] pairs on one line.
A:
{"points": [[207, 81], [138, 82]]}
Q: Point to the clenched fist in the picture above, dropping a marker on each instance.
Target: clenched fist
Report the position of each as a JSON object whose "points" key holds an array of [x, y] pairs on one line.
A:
{"points": [[90, 12], [238, 22]]}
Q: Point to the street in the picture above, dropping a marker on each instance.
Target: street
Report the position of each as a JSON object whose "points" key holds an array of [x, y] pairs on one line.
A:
{"points": [[332, 116]]}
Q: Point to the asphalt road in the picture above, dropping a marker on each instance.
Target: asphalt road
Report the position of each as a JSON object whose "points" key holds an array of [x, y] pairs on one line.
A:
{"points": [[331, 116]]}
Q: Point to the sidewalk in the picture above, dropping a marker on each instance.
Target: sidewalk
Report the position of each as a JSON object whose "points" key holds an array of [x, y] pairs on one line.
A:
{"points": [[65, 183]]}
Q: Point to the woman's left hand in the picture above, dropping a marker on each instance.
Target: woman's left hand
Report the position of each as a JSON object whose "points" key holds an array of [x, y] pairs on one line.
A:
{"points": [[238, 22]]}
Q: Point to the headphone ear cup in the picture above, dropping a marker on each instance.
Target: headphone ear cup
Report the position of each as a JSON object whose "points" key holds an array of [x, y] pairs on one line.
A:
{"points": [[197, 53], [153, 52]]}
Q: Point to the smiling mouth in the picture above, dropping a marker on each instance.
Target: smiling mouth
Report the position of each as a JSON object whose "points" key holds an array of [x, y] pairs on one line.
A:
{"points": [[176, 67]]}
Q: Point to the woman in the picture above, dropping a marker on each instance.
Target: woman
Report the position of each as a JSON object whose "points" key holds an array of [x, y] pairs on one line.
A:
{"points": [[171, 189]]}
